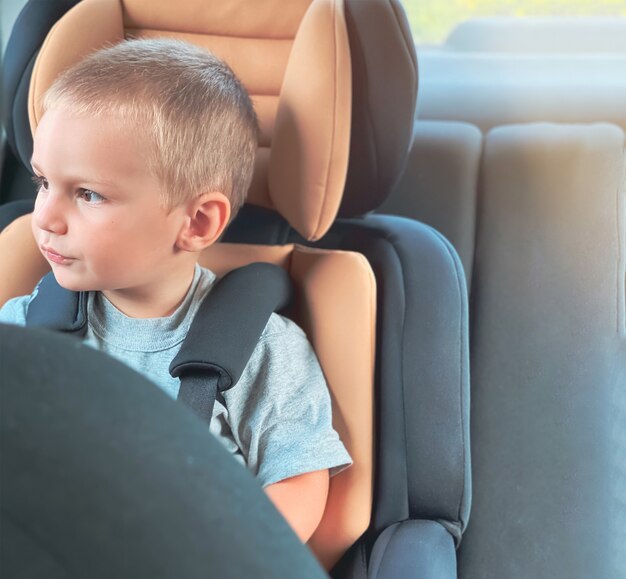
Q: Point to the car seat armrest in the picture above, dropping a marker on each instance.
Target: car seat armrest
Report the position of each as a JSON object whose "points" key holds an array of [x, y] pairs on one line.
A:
{"points": [[408, 549]]}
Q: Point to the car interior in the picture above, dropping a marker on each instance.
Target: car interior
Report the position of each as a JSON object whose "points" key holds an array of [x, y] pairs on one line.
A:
{"points": [[453, 221]]}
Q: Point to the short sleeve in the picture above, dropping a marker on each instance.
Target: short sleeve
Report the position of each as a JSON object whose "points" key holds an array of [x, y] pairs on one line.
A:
{"points": [[280, 411], [14, 311]]}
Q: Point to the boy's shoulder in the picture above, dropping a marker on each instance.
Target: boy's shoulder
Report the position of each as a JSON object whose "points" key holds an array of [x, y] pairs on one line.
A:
{"points": [[14, 310], [280, 327], [285, 347]]}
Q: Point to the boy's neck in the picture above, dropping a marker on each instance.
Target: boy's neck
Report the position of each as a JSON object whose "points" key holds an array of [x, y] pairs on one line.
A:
{"points": [[156, 300]]}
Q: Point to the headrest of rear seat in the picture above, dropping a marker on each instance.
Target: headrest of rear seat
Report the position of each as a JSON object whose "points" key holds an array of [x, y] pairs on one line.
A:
{"points": [[294, 57]]}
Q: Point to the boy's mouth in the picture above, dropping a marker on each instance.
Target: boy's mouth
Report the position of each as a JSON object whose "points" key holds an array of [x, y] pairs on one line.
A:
{"points": [[55, 257]]}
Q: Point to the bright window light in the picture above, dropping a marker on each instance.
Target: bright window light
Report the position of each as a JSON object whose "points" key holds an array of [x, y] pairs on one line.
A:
{"points": [[432, 20]]}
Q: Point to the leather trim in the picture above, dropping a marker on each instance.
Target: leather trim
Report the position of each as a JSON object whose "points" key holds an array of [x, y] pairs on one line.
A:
{"points": [[338, 313], [260, 63], [236, 18], [91, 24], [309, 158]]}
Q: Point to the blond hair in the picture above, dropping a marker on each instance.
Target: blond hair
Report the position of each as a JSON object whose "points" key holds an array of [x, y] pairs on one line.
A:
{"points": [[195, 112]]}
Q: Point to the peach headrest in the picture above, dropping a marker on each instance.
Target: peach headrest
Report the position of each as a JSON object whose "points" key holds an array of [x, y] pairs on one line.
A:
{"points": [[293, 57]]}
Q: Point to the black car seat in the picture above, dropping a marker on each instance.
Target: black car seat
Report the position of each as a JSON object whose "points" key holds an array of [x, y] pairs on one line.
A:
{"points": [[322, 75]]}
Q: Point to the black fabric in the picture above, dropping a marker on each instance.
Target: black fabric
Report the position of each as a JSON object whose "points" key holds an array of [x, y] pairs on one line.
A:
{"points": [[225, 331], [384, 96], [413, 549], [230, 321], [353, 565], [11, 211], [29, 32], [257, 225], [103, 475], [198, 391], [58, 309], [16, 182]]}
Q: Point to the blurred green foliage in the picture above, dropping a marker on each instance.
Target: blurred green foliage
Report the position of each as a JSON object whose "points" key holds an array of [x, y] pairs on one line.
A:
{"points": [[432, 20]]}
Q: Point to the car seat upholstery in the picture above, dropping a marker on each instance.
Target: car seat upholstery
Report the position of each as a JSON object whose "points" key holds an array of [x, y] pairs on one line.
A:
{"points": [[440, 182], [382, 299], [549, 355], [543, 229]]}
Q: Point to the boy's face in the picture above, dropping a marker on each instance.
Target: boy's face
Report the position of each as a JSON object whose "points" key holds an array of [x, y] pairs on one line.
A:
{"points": [[98, 218]]}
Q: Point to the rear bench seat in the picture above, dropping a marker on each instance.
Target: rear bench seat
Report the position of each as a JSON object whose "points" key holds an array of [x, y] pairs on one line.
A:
{"points": [[536, 211]]}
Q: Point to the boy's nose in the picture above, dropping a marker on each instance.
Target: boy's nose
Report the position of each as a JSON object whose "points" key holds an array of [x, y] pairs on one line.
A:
{"points": [[49, 213]]}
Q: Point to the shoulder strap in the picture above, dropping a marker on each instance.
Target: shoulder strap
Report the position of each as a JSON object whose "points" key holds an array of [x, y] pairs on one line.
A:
{"points": [[221, 338], [57, 308], [225, 332]]}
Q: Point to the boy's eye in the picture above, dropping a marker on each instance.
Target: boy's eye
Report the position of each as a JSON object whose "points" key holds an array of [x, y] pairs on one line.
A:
{"points": [[40, 182], [90, 196]]}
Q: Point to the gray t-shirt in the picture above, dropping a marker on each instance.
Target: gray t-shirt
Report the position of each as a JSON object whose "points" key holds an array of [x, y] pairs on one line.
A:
{"points": [[276, 419]]}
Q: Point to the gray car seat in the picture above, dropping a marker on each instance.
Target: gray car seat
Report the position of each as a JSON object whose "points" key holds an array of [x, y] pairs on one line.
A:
{"points": [[537, 213]]}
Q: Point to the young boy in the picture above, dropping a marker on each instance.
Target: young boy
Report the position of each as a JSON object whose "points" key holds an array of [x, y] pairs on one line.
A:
{"points": [[143, 155]]}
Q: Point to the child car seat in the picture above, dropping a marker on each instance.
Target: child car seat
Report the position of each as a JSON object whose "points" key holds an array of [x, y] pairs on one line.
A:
{"points": [[322, 74]]}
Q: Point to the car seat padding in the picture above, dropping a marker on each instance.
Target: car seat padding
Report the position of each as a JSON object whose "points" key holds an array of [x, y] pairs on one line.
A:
{"points": [[305, 126]]}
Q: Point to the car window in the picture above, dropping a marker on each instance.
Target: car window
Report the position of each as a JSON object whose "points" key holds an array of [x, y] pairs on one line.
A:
{"points": [[432, 21]]}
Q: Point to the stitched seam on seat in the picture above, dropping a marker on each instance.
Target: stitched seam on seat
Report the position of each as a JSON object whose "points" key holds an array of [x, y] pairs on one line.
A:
{"points": [[463, 309], [363, 557], [443, 242], [213, 34], [334, 125], [385, 236], [402, 374], [406, 40], [386, 551]]}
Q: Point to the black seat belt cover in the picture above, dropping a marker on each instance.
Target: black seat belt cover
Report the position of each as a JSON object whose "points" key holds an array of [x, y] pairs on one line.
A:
{"points": [[230, 321], [57, 308]]}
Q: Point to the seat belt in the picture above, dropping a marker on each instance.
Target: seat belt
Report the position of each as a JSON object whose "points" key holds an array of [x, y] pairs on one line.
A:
{"points": [[225, 331], [56, 308], [220, 341]]}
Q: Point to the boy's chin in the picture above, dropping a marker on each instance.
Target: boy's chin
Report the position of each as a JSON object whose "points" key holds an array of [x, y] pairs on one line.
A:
{"points": [[71, 283]]}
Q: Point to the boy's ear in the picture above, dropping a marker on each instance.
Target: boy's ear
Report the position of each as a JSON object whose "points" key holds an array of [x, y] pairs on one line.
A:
{"points": [[206, 217]]}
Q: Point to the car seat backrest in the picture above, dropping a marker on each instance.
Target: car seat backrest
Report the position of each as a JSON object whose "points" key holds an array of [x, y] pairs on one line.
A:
{"points": [[293, 57], [335, 304], [549, 355]]}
